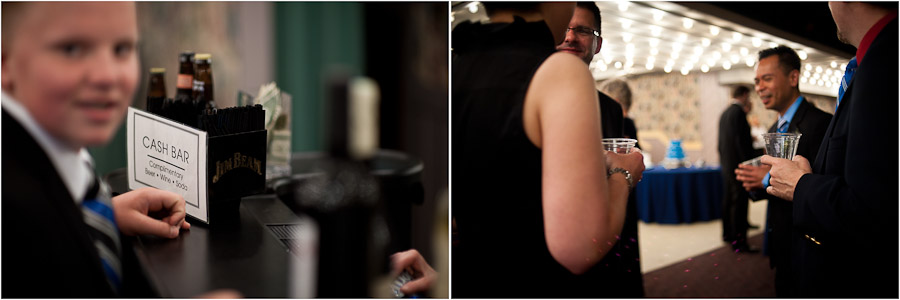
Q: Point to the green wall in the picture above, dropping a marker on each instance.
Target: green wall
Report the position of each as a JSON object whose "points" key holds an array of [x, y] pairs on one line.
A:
{"points": [[309, 37]]}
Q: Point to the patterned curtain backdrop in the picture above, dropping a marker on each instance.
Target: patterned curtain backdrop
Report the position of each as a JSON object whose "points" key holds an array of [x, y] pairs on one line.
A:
{"points": [[168, 28]]}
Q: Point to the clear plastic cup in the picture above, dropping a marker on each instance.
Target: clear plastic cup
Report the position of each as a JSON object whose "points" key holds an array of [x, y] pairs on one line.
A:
{"points": [[621, 146], [781, 145]]}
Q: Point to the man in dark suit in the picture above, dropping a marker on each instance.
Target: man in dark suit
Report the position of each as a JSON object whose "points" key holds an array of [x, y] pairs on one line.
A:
{"points": [[67, 82], [735, 146], [845, 203], [621, 274], [777, 83]]}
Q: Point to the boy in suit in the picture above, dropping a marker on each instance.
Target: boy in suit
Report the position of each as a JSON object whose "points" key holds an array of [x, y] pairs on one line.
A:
{"points": [[69, 74]]}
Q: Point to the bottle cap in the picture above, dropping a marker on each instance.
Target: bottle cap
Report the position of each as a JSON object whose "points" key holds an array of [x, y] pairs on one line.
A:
{"points": [[202, 56], [157, 70]]}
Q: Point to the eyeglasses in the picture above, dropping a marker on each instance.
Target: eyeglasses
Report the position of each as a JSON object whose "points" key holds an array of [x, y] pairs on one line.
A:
{"points": [[583, 31]]}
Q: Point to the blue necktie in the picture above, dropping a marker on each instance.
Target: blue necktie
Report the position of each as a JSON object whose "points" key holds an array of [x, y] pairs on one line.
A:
{"points": [[845, 81], [98, 215]]}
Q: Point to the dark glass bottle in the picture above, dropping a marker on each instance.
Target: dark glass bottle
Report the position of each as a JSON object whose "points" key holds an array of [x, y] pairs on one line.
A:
{"points": [[184, 87], [203, 82], [156, 90]]}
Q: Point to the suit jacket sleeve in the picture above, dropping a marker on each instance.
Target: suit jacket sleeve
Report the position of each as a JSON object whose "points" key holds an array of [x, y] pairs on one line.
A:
{"points": [[853, 187]]}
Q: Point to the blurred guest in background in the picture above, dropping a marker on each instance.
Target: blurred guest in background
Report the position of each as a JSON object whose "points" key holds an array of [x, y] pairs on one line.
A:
{"points": [[777, 83], [620, 272], [537, 201], [845, 203], [735, 146], [584, 41], [619, 90]]}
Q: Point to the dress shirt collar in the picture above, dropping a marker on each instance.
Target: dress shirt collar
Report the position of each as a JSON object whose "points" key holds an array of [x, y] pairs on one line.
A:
{"points": [[73, 166], [789, 114], [871, 34]]}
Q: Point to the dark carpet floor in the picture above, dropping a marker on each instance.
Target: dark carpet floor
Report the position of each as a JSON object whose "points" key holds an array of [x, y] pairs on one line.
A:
{"points": [[720, 273]]}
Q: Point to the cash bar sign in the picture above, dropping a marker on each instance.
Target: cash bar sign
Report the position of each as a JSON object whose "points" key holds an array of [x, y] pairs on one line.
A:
{"points": [[169, 156]]}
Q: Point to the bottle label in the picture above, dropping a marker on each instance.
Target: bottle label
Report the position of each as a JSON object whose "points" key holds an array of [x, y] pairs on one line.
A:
{"points": [[185, 81]]}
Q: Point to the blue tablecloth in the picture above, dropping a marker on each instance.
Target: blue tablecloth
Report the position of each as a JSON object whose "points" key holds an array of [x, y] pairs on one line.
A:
{"points": [[680, 195]]}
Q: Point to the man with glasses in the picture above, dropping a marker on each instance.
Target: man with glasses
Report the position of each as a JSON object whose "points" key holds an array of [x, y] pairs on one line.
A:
{"points": [[621, 273]]}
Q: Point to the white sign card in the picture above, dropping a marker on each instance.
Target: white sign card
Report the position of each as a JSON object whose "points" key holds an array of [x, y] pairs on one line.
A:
{"points": [[169, 156]]}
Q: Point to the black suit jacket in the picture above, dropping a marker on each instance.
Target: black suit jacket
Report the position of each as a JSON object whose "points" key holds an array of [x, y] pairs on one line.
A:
{"points": [[735, 142], [611, 116], [47, 252], [849, 202], [812, 123]]}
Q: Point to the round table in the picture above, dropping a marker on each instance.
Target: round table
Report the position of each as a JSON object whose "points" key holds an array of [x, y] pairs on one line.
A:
{"points": [[682, 195]]}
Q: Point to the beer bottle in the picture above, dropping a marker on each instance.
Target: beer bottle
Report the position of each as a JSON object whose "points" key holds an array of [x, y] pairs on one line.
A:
{"points": [[184, 85], [203, 82], [156, 93]]}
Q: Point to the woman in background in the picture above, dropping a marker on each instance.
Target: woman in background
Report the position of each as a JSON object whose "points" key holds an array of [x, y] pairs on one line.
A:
{"points": [[537, 201]]}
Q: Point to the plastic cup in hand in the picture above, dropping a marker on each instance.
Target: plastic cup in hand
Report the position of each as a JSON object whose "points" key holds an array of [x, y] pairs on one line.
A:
{"points": [[781, 145], [621, 146]]}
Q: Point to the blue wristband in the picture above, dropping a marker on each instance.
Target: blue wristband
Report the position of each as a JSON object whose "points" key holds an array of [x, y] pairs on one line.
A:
{"points": [[766, 181]]}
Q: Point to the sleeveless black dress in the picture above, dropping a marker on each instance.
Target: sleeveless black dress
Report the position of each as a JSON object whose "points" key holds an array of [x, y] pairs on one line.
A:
{"points": [[501, 250]]}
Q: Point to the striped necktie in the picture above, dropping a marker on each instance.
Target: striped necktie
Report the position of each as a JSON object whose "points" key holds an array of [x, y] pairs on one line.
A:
{"points": [[845, 81], [98, 215], [782, 126]]}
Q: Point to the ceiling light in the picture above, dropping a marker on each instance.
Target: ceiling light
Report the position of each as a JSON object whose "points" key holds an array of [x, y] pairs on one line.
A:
{"points": [[735, 58], [655, 30], [816, 76], [682, 36], [649, 66], [819, 69], [750, 62], [828, 72], [629, 63], [658, 15], [654, 51], [803, 80], [685, 71], [736, 36], [704, 68], [618, 65], [711, 63], [651, 59], [744, 51], [698, 50], [674, 55], [687, 23], [705, 42], [654, 42], [626, 23], [843, 66], [713, 30], [716, 55], [726, 65], [802, 54], [820, 82], [676, 47], [834, 64], [772, 45], [626, 37], [757, 42], [726, 47], [473, 7], [670, 62], [668, 69], [623, 5], [806, 74], [808, 67], [828, 84], [602, 67]]}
